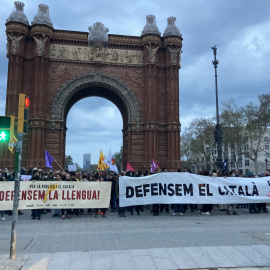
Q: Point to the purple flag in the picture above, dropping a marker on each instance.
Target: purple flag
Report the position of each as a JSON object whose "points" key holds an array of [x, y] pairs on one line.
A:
{"points": [[153, 166], [48, 159]]}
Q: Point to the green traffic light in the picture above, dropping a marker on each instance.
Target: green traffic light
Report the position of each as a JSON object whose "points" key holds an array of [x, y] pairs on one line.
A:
{"points": [[4, 135]]}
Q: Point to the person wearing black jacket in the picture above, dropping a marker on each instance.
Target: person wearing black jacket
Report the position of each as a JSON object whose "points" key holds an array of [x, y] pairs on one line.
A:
{"points": [[111, 177], [36, 213], [121, 210]]}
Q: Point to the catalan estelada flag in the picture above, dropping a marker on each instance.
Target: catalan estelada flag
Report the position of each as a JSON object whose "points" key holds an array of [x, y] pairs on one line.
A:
{"points": [[11, 149], [101, 165]]}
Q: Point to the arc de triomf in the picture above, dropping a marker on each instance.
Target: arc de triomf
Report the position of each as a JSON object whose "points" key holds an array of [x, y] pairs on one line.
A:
{"points": [[57, 68]]}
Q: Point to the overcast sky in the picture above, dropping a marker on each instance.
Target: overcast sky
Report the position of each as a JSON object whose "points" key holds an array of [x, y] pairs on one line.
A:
{"points": [[239, 28]]}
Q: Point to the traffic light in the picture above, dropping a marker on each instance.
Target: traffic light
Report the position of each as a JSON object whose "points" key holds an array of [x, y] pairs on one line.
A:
{"points": [[23, 114], [6, 128]]}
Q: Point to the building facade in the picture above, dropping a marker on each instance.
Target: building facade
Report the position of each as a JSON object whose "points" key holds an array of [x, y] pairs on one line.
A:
{"points": [[86, 162]]}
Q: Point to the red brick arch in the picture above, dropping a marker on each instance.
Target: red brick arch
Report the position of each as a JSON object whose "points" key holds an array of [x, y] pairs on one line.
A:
{"points": [[56, 68]]}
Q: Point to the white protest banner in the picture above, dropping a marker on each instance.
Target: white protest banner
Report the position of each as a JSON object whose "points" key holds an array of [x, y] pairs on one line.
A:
{"points": [[72, 168], [56, 195], [26, 177], [183, 188]]}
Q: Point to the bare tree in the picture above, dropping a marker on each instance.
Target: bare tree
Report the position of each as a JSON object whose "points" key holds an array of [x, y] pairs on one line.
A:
{"points": [[202, 143], [231, 119], [256, 121]]}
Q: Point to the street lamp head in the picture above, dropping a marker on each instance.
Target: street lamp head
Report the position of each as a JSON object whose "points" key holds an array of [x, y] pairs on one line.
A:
{"points": [[266, 160], [214, 49]]}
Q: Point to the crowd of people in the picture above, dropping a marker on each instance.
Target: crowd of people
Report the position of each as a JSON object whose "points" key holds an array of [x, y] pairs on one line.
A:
{"points": [[156, 209]]}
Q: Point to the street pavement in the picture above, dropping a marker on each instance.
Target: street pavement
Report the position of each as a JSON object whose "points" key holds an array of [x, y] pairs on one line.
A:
{"points": [[147, 242]]}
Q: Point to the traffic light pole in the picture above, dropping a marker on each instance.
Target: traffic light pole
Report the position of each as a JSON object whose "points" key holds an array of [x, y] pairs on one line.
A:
{"points": [[18, 157]]}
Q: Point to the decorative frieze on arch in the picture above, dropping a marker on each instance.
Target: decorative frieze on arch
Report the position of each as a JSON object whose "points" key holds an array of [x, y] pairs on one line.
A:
{"points": [[96, 79]]}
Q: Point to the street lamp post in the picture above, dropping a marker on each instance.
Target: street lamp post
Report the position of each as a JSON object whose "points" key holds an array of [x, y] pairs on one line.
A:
{"points": [[266, 160], [218, 132]]}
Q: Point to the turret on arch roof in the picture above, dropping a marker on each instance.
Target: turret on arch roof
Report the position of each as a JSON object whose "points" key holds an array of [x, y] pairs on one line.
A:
{"points": [[18, 15]]}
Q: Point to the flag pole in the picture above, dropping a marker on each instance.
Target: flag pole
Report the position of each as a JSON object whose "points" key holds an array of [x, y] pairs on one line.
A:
{"points": [[59, 165], [107, 153]]}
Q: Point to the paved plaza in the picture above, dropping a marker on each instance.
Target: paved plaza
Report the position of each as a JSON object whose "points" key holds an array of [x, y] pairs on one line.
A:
{"points": [[139, 242]]}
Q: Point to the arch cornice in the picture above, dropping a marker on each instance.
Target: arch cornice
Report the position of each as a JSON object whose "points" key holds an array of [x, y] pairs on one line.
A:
{"points": [[96, 79]]}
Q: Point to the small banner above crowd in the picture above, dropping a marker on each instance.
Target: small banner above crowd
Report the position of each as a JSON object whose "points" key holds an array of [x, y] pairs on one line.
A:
{"points": [[56, 195], [186, 188]]}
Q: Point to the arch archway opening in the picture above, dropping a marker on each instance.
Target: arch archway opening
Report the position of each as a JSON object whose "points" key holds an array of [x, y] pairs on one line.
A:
{"points": [[102, 92], [93, 123]]}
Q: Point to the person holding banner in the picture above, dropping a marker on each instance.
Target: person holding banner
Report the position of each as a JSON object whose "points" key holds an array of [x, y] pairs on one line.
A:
{"points": [[68, 211], [83, 178], [121, 210], [137, 207], [111, 177], [103, 210], [36, 213], [179, 208], [90, 179], [57, 211], [166, 206], [74, 178], [155, 206], [232, 206], [206, 208]]}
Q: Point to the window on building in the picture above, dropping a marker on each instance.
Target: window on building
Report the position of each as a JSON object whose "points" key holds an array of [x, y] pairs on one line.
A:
{"points": [[246, 146], [233, 164], [266, 147], [202, 158], [207, 149], [240, 163], [266, 139], [247, 162]]}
